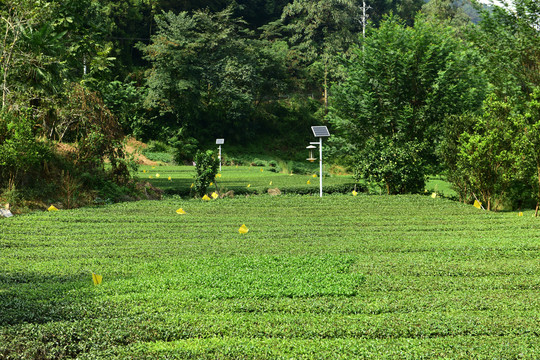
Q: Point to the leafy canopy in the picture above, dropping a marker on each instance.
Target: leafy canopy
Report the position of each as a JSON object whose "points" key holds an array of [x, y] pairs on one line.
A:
{"points": [[403, 82]]}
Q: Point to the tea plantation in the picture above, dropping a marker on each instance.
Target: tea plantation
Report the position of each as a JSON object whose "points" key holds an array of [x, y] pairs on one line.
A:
{"points": [[401, 277]]}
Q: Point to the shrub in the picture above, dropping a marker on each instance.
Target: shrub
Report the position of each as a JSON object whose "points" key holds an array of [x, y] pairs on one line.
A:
{"points": [[300, 168], [155, 146], [184, 147], [206, 167], [159, 156], [22, 155], [258, 162], [275, 169], [395, 166]]}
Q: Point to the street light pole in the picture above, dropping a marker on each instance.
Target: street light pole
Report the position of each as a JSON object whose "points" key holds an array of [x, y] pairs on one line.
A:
{"points": [[320, 166], [319, 132]]}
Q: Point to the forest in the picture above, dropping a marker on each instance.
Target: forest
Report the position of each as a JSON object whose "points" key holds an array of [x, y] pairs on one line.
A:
{"points": [[408, 88]]}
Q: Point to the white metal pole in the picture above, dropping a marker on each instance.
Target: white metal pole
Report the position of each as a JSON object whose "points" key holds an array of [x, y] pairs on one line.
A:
{"points": [[320, 166], [219, 157]]}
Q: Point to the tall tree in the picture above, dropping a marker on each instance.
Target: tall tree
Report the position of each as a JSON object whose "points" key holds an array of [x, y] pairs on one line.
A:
{"points": [[208, 73], [398, 90], [405, 9], [509, 39], [19, 21], [448, 11], [318, 31], [528, 144], [486, 155]]}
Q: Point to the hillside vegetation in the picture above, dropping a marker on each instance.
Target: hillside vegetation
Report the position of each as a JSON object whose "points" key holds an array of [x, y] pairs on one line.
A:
{"points": [[407, 89]]}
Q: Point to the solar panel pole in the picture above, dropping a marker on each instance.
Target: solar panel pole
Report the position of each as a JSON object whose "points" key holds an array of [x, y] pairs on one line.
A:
{"points": [[320, 166], [320, 132]]}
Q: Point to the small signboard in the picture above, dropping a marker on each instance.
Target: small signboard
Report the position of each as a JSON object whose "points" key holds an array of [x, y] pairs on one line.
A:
{"points": [[220, 141]]}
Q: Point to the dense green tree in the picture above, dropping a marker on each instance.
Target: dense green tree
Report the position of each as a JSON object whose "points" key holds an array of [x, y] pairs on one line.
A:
{"points": [[527, 145], [45, 49], [486, 156], [448, 11], [206, 169], [509, 39], [208, 74], [317, 32], [395, 166], [494, 154], [254, 12], [448, 151], [405, 9], [401, 86], [28, 40], [21, 156]]}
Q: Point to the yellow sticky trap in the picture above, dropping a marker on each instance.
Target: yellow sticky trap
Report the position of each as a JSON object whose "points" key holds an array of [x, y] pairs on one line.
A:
{"points": [[181, 211], [52, 208], [218, 175], [270, 183], [243, 229], [262, 170], [169, 178], [434, 195], [97, 278], [215, 195], [477, 204], [314, 175], [309, 182], [354, 193], [144, 171], [211, 183], [157, 175], [205, 197], [520, 214], [248, 185], [237, 166], [191, 185]]}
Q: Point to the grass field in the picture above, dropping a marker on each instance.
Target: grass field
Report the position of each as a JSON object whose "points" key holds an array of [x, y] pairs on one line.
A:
{"points": [[238, 178], [243, 180], [401, 277]]}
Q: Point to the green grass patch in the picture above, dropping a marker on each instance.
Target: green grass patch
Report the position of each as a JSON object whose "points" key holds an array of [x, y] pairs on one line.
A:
{"points": [[439, 185], [244, 180]]}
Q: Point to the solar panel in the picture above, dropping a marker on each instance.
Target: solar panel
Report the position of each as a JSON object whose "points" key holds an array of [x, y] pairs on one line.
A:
{"points": [[220, 141], [320, 131]]}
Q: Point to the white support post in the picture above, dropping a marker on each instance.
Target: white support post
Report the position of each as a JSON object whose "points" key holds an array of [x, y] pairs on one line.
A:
{"points": [[320, 166], [219, 157]]}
